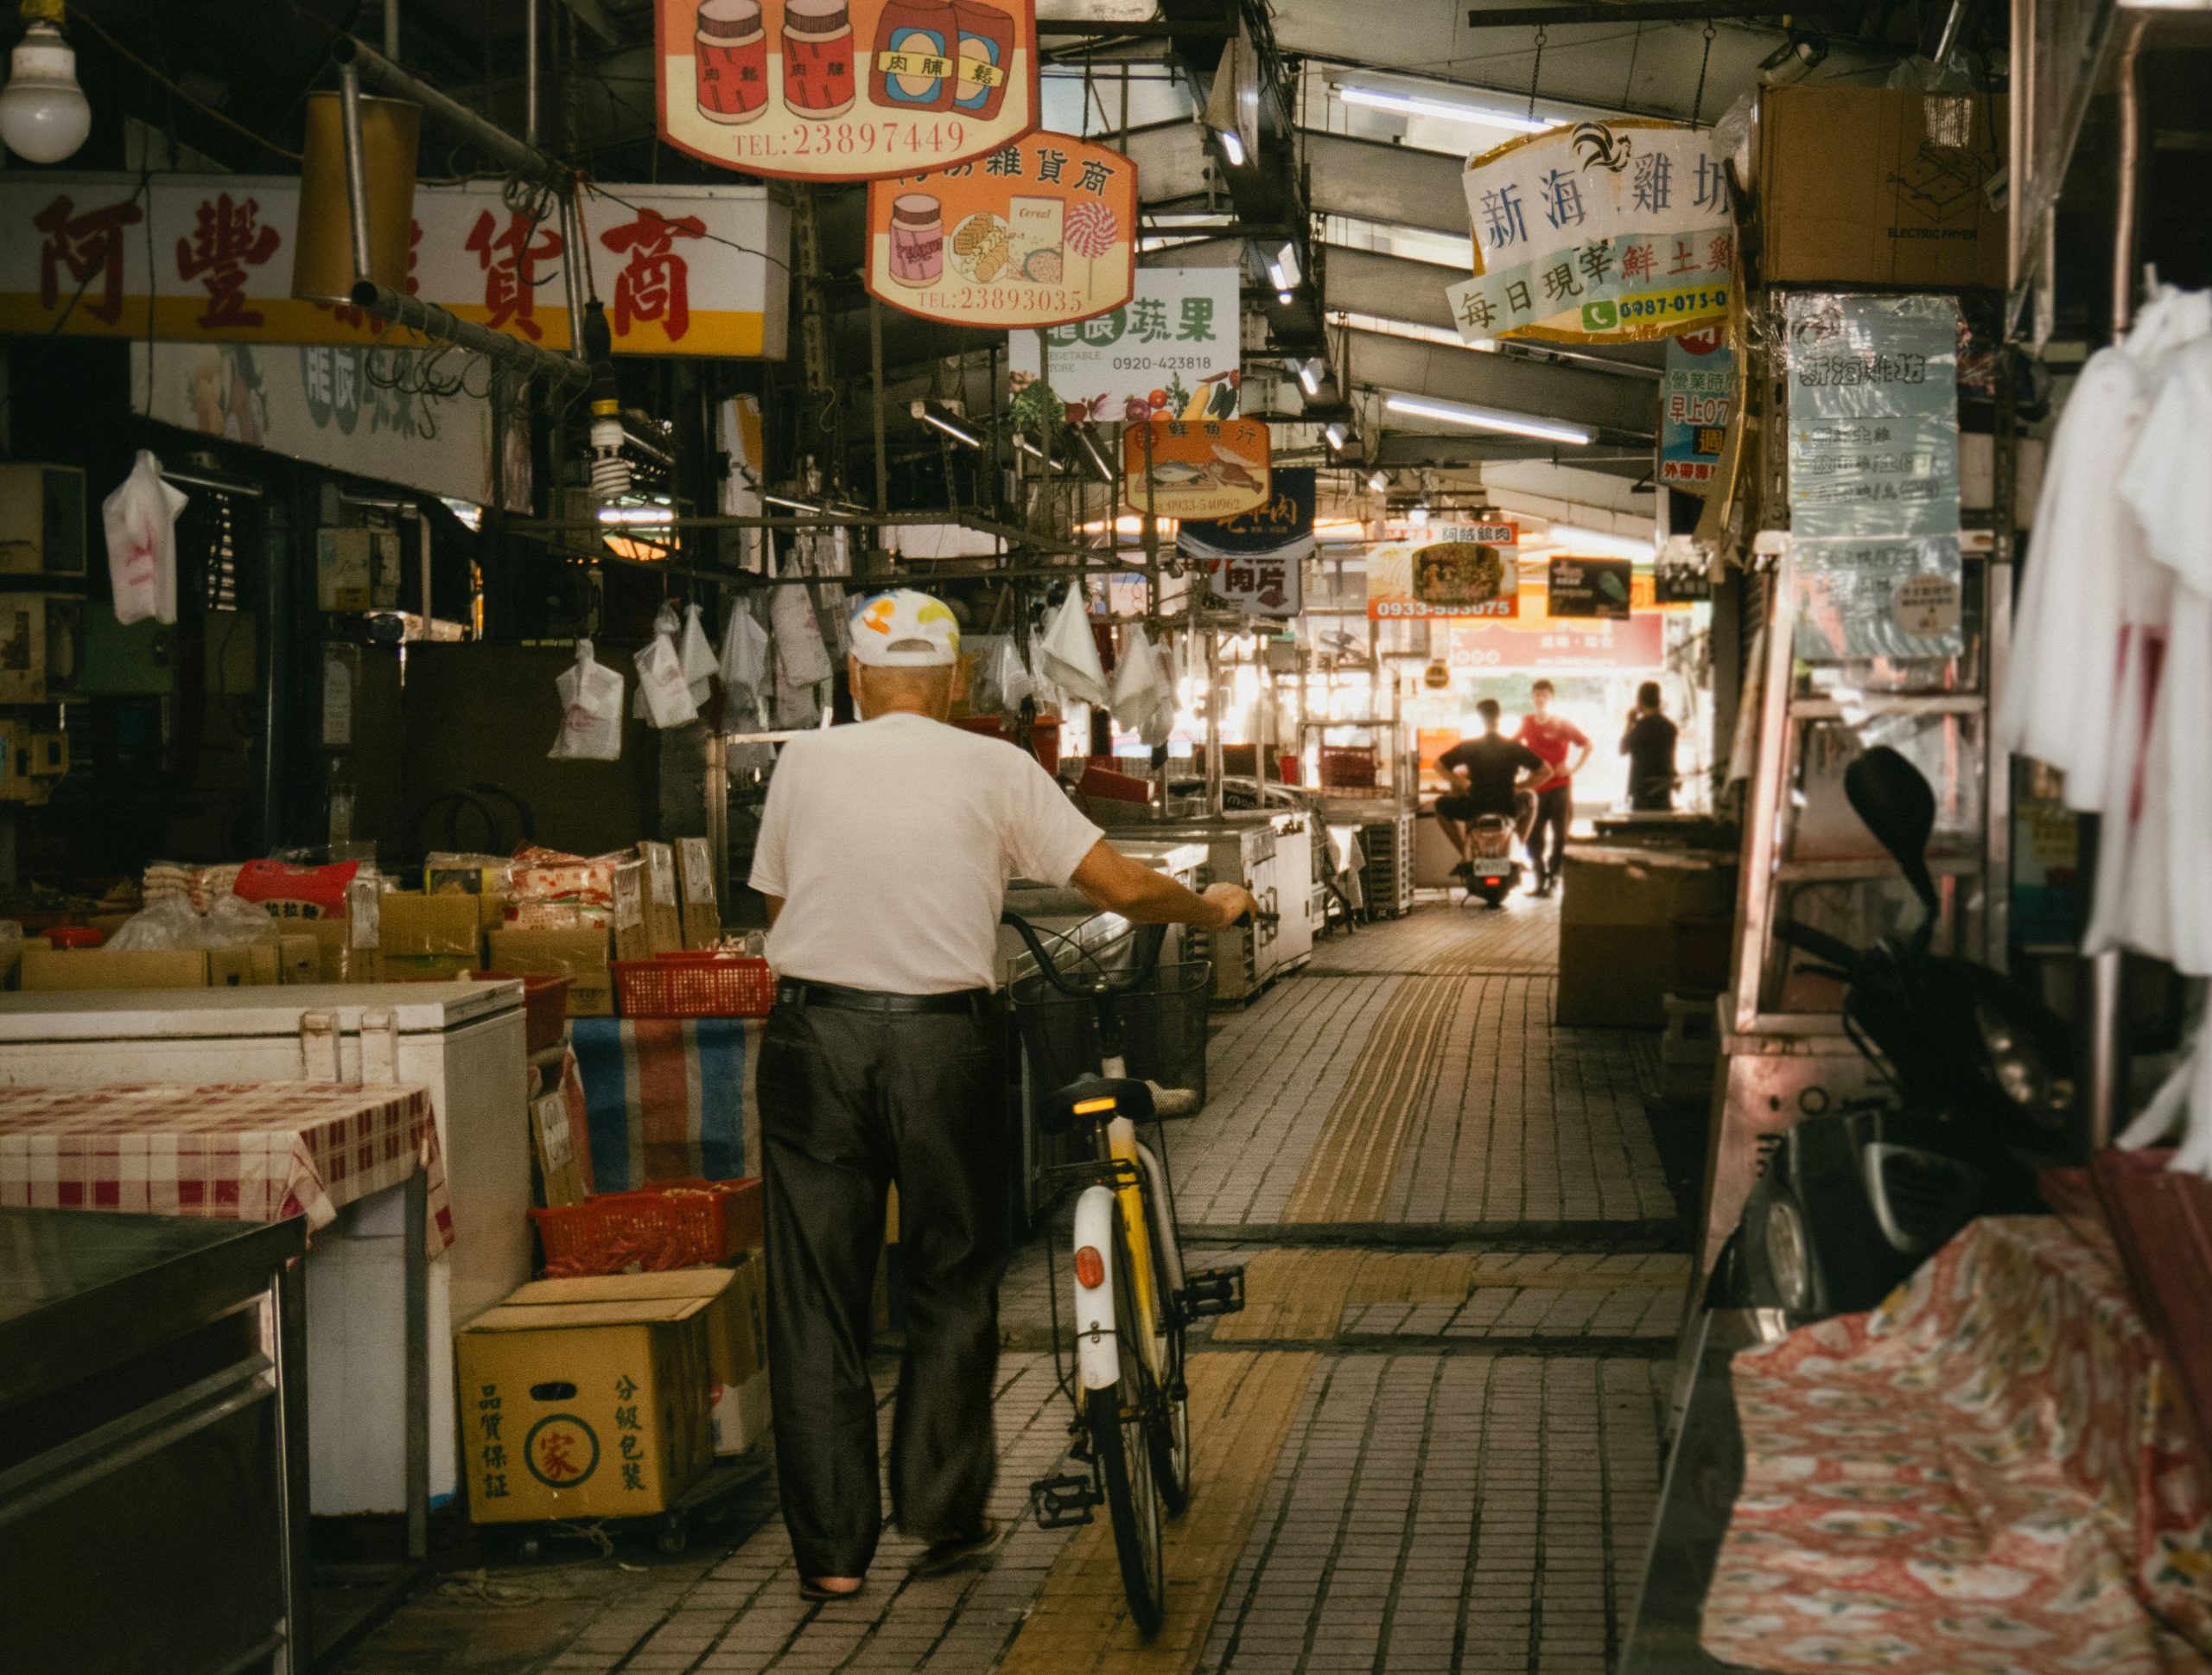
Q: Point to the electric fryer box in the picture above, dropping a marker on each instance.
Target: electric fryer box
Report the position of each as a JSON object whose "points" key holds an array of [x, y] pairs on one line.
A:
{"points": [[664, 911], [1880, 186]]}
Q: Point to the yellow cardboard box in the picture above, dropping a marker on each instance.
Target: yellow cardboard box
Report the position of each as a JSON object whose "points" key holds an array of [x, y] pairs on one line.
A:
{"points": [[344, 958], [299, 957], [633, 940], [417, 927], [246, 967], [580, 955], [584, 1410], [112, 968], [664, 911], [702, 913]]}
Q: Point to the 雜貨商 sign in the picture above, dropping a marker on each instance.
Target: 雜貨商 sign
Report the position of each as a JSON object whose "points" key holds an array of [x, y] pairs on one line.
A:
{"points": [[1598, 233], [1038, 232], [844, 90], [1195, 468]]}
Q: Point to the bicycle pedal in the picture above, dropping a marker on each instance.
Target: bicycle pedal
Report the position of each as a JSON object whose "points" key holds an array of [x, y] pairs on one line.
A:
{"points": [[1213, 1291], [1062, 1503]]}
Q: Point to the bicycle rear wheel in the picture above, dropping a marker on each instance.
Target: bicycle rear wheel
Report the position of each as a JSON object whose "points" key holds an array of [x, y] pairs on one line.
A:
{"points": [[1121, 1421], [1170, 1436]]}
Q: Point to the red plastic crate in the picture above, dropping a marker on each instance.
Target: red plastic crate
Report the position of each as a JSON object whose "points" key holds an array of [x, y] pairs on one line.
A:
{"points": [[545, 1007], [663, 1225], [694, 985], [1347, 767]]}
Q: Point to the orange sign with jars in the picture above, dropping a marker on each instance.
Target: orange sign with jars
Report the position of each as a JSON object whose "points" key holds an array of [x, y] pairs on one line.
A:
{"points": [[844, 90]]}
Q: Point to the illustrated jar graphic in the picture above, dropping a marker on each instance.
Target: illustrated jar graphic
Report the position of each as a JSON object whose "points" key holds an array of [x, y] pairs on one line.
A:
{"points": [[912, 65], [985, 55], [733, 61], [818, 58], [917, 239]]}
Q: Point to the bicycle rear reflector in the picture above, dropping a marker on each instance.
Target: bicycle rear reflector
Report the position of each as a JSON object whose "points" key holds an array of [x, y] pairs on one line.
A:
{"points": [[1089, 1266]]}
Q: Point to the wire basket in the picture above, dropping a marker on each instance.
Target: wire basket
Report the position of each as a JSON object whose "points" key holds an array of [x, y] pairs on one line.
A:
{"points": [[700, 985], [1163, 1029], [663, 1225]]}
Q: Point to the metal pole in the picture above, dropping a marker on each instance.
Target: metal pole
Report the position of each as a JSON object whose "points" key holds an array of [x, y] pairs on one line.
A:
{"points": [[2131, 149], [1213, 722], [356, 173], [391, 29], [560, 370], [381, 73], [529, 72], [875, 366], [572, 273]]}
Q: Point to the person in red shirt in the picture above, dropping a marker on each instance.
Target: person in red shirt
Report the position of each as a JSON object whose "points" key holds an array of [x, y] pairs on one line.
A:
{"points": [[1555, 739]]}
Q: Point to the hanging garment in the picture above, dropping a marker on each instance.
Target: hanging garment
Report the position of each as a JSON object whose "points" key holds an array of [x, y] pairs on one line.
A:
{"points": [[140, 518], [1070, 659]]}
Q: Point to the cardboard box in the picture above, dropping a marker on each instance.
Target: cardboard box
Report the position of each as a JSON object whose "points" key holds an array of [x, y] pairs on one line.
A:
{"points": [[702, 913], [579, 955], [632, 941], [419, 927], [596, 1409], [737, 1333], [488, 884], [1871, 186], [42, 520], [427, 968], [591, 994], [343, 957], [299, 959], [41, 646], [110, 968], [664, 911], [1617, 935], [249, 965]]}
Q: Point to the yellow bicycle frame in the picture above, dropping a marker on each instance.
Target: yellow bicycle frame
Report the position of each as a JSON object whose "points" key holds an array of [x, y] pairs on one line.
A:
{"points": [[1121, 1146]]}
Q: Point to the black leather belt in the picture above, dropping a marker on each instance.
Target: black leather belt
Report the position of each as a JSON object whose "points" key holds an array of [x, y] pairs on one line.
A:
{"points": [[797, 993]]}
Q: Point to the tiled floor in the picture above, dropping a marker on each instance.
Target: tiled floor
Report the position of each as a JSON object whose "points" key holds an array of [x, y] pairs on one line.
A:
{"points": [[1430, 1443]]}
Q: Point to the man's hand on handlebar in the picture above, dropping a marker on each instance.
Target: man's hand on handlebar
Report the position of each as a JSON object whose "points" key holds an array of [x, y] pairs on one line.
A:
{"points": [[1230, 904]]}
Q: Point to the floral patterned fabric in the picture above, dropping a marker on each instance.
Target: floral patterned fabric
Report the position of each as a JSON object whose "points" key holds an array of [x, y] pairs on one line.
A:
{"points": [[1985, 1476]]}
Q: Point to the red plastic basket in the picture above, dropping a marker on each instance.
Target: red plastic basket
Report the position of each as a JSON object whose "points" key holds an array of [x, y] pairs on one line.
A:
{"points": [[1347, 767], [695, 985], [663, 1225], [545, 1007]]}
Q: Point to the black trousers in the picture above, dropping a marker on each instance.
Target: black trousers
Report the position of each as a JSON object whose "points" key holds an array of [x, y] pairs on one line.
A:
{"points": [[849, 1103], [1554, 812]]}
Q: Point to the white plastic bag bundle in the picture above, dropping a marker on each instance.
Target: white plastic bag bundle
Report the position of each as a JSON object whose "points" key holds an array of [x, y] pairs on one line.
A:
{"points": [[591, 710], [1144, 700], [744, 664], [697, 656], [667, 699], [1070, 659], [141, 521], [801, 659]]}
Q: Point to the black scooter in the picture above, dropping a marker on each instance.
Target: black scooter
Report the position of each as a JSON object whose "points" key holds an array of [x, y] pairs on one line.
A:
{"points": [[1980, 1092]]}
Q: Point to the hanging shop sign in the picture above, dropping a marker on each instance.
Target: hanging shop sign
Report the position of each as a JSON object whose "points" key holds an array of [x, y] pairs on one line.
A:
{"points": [[1538, 640], [1589, 587], [366, 411], [685, 269], [1197, 467], [1446, 570], [1254, 560], [844, 90], [1696, 395], [1874, 474], [1172, 348], [1599, 232], [1039, 231]]}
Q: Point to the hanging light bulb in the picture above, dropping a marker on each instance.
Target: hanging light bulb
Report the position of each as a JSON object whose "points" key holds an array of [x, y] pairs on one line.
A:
{"points": [[44, 115]]}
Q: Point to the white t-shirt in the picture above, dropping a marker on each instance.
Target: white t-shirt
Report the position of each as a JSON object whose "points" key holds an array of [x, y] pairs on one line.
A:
{"points": [[891, 843]]}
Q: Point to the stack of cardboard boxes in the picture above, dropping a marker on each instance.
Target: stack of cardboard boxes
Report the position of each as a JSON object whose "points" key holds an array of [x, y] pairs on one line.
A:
{"points": [[339, 948]]}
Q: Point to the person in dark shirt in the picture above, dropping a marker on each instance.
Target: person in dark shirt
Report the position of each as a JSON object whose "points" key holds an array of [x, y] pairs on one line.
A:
{"points": [[1485, 774], [1649, 744]]}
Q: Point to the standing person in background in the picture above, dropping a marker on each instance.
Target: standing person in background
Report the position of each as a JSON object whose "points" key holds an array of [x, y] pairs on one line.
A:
{"points": [[1649, 744], [1555, 739]]}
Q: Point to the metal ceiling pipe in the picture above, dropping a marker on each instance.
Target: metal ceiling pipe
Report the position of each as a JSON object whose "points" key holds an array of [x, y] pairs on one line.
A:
{"points": [[380, 72], [356, 173], [529, 72], [432, 321]]}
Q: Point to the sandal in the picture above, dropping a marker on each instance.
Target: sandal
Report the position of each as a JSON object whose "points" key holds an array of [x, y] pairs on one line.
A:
{"points": [[811, 1590], [954, 1550]]}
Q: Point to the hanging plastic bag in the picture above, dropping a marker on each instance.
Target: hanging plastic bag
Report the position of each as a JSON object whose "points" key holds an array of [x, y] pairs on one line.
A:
{"points": [[660, 683], [591, 710], [697, 656], [1143, 701], [801, 659], [141, 521], [1071, 654]]}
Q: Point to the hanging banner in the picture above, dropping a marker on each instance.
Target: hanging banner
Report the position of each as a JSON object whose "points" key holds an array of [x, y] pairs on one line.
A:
{"points": [[320, 403], [1589, 587], [1040, 231], [1173, 350], [683, 269], [1600, 232], [1539, 640], [1200, 469], [1697, 395], [1445, 569], [1254, 559], [1874, 476], [844, 90]]}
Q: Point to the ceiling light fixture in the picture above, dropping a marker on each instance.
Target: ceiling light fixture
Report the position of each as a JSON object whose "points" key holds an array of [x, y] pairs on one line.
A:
{"points": [[1285, 298], [44, 115], [940, 417], [1380, 482], [1491, 418], [1418, 104], [1232, 146], [807, 506], [1282, 267], [1337, 434], [1309, 374]]}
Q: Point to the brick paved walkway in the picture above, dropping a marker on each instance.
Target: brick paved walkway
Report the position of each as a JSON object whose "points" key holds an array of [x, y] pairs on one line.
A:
{"points": [[1430, 1443]]}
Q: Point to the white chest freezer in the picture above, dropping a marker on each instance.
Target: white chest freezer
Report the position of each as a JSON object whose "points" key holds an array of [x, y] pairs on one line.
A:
{"points": [[463, 1040]]}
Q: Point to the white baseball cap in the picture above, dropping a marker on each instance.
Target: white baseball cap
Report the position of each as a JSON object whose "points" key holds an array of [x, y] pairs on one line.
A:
{"points": [[904, 628]]}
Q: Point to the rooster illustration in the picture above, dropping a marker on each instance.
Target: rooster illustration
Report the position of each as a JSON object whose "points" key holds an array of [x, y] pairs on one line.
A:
{"points": [[1601, 148]]}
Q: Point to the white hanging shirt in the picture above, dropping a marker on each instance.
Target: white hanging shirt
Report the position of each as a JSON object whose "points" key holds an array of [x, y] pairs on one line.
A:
{"points": [[891, 843]]}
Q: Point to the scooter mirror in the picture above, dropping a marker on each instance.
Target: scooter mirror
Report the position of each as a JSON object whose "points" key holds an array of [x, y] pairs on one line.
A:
{"points": [[1893, 797]]}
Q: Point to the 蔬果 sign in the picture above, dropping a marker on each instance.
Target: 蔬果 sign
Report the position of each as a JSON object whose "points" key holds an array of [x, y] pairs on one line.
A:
{"points": [[1171, 350], [844, 90], [1036, 233]]}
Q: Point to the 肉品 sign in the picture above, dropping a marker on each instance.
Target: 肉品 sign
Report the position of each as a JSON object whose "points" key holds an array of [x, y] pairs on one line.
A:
{"points": [[1195, 468], [844, 90], [1445, 569], [685, 269], [1253, 559], [1696, 397], [1602, 232], [1040, 231], [1172, 348]]}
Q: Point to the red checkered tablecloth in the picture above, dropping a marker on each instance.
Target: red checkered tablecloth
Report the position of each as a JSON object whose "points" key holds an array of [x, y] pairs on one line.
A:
{"points": [[248, 1151]]}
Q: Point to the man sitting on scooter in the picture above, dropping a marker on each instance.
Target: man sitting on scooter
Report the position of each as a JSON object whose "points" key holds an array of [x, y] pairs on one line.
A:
{"points": [[1485, 774]]}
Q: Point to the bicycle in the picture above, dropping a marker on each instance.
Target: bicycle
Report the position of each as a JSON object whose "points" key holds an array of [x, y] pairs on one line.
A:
{"points": [[1133, 1299]]}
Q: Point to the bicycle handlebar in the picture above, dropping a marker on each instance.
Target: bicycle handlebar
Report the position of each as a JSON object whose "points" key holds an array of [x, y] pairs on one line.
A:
{"points": [[1148, 938]]}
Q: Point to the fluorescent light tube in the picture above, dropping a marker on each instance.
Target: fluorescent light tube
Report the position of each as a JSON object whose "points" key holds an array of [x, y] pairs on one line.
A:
{"points": [[1232, 146], [1491, 418], [1309, 376], [636, 514], [1380, 482], [1337, 433], [1419, 105], [960, 433], [796, 505]]}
